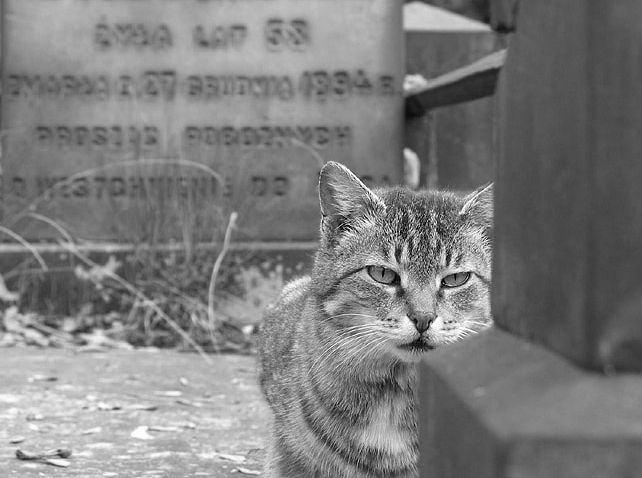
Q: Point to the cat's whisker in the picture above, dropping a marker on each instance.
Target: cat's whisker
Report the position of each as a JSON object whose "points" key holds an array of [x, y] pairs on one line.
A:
{"points": [[356, 352], [476, 322], [351, 314], [363, 346], [342, 343]]}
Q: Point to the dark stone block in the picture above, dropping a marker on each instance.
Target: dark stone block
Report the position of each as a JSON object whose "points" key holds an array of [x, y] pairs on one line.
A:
{"points": [[496, 406], [568, 196]]}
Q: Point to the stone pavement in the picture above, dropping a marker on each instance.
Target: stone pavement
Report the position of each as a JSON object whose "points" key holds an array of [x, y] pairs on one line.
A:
{"points": [[131, 413]]}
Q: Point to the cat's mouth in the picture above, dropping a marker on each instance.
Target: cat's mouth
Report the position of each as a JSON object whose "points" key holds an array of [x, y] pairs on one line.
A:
{"points": [[418, 345]]}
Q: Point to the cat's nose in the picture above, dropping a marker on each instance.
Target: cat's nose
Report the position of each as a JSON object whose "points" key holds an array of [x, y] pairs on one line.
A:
{"points": [[422, 320]]}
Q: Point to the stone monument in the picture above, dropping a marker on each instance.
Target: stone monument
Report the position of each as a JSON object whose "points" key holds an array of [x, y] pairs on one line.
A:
{"points": [[151, 120]]}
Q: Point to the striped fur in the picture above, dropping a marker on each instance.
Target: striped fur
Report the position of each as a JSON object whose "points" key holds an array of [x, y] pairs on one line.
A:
{"points": [[335, 363]]}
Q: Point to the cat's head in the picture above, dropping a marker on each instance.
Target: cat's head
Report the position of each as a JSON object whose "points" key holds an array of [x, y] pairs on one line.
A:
{"points": [[402, 272]]}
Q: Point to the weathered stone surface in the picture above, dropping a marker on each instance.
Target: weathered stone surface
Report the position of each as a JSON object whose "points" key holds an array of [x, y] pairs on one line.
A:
{"points": [[568, 195], [129, 120], [496, 406], [231, 420]]}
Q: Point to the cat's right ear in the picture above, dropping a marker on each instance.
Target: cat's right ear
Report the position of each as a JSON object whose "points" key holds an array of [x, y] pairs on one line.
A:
{"points": [[343, 196], [478, 208]]}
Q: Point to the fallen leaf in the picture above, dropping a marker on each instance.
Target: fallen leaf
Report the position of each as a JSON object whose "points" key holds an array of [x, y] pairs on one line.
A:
{"points": [[168, 393], [34, 417], [246, 471], [54, 453], [189, 403], [107, 406], [17, 439], [42, 378], [60, 462], [141, 433], [56, 457], [12, 320], [8, 340], [34, 337], [142, 406], [228, 457], [91, 431], [5, 294], [183, 381], [158, 428], [61, 452]]}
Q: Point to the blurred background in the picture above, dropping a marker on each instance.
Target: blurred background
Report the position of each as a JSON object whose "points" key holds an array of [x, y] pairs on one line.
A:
{"points": [[160, 160]]}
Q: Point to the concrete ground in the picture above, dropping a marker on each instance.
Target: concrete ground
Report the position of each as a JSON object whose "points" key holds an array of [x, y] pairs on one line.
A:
{"points": [[131, 414]]}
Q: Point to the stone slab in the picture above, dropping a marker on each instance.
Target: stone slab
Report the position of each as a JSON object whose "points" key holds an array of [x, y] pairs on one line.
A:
{"points": [[135, 120], [496, 406]]}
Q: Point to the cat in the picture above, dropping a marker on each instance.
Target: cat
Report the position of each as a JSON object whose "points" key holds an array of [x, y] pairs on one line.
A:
{"points": [[397, 273]]}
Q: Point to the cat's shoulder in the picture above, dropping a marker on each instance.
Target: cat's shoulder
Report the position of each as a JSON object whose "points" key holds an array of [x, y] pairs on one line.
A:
{"points": [[292, 294]]}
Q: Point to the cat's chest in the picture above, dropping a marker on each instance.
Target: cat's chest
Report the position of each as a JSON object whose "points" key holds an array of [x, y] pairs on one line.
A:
{"points": [[388, 427]]}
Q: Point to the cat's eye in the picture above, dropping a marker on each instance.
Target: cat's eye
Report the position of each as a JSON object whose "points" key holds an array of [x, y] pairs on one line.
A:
{"points": [[383, 275], [455, 280]]}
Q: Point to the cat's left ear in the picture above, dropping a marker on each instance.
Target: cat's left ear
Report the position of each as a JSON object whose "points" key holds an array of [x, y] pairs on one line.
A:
{"points": [[342, 195], [478, 207]]}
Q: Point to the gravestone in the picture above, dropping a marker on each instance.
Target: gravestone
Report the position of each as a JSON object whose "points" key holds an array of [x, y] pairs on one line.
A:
{"points": [[455, 144], [151, 120]]}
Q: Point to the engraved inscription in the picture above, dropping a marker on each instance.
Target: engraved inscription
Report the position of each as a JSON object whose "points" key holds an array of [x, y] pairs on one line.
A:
{"points": [[98, 138], [137, 98], [320, 85], [132, 35], [287, 35], [269, 186], [57, 86], [209, 87], [219, 37], [267, 137], [143, 187]]}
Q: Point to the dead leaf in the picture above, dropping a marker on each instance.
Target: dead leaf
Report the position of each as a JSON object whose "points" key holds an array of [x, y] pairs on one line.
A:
{"points": [[55, 457], [168, 393], [60, 462], [61, 452], [34, 337], [246, 471], [103, 406], [34, 417], [8, 340], [189, 403], [42, 378], [13, 321], [53, 453], [5, 294], [91, 431], [17, 439], [142, 406], [228, 457], [183, 381], [159, 428], [141, 433]]}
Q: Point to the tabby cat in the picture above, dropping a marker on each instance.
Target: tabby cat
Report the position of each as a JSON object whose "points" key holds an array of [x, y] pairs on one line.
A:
{"points": [[397, 273]]}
